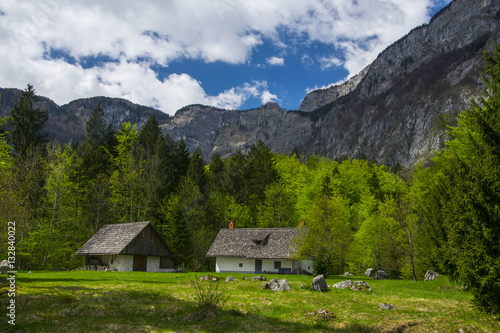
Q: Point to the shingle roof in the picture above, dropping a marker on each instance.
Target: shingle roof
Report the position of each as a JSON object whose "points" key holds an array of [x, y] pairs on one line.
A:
{"points": [[276, 243], [112, 238]]}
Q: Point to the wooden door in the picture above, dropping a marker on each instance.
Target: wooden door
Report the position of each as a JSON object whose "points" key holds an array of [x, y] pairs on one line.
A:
{"points": [[258, 266], [140, 263]]}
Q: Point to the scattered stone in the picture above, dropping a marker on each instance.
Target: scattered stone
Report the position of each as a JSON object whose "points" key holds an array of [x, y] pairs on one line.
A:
{"points": [[387, 306], [348, 274], [319, 284], [244, 278], [230, 278], [4, 266], [277, 285], [209, 278], [322, 314], [343, 284], [259, 278], [370, 272], [430, 275], [381, 275], [302, 286], [356, 286]]}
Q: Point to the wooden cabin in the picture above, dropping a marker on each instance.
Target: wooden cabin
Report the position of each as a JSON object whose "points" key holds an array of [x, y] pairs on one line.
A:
{"points": [[259, 250], [128, 247]]}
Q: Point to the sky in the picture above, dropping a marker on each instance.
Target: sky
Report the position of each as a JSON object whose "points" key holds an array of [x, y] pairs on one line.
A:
{"points": [[232, 54]]}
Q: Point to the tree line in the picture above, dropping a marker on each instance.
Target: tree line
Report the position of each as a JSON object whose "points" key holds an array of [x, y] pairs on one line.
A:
{"points": [[359, 214]]}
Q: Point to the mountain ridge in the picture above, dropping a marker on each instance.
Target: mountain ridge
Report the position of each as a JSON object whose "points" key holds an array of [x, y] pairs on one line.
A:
{"points": [[394, 111]]}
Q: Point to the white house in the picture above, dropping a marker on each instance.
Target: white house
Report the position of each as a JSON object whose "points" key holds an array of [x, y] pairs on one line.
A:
{"points": [[262, 250], [128, 247]]}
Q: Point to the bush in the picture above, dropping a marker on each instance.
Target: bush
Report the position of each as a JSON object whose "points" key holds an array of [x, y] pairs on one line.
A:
{"points": [[209, 293]]}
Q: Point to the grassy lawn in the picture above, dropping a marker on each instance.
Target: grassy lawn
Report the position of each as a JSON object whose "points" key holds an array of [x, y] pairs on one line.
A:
{"points": [[158, 302]]}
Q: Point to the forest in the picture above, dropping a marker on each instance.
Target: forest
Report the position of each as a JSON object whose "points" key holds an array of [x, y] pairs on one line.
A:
{"points": [[444, 216]]}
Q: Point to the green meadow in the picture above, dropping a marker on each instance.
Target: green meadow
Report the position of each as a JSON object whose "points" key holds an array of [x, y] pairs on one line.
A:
{"points": [[88, 301]]}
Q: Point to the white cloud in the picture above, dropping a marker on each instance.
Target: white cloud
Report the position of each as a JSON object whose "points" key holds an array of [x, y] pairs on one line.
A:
{"points": [[139, 34], [327, 62], [276, 61]]}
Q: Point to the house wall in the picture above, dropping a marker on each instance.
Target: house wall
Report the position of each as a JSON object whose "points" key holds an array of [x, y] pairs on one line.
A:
{"points": [[231, 264], [306, 265], [268, 265], [121, 263], [125, 263], [154, 265]]}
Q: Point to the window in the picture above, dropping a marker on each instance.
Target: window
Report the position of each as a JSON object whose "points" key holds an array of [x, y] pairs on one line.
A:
{"points": [[277, 265], [166, 263], [241, 264]]}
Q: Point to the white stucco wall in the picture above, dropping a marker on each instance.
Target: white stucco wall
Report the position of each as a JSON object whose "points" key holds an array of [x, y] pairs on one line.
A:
{"points": [[268, 265], [154, 266], [306, 265], [125, 263], [231, 264], [121, 263]]}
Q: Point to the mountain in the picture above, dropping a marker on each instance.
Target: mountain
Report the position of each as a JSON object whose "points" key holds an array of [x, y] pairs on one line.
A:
{"points": [[394, 111], [67, 122]]}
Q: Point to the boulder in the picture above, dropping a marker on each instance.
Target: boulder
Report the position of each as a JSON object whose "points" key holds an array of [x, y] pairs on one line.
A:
{"points": [[230, 278], [381, 275], [319, 283], [4, 266], [343, 284], [259, 278], [356, 286], [277, 285], [348, 274], [430, 275], [370, 272], [387, 306]]}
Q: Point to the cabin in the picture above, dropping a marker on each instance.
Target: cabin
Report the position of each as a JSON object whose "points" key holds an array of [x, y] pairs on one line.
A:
{"points": [[128, 247], [258, 250]]}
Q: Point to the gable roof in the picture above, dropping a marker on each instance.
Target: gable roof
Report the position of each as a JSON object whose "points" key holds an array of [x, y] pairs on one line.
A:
{"points": [[139, 238], [261, 243]]}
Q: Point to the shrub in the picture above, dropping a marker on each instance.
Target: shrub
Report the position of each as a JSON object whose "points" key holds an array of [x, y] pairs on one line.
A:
{"points": [[209, 293]]}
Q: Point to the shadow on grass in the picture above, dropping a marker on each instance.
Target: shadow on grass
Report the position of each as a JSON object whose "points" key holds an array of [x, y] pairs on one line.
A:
{"points": [[75, 308]]}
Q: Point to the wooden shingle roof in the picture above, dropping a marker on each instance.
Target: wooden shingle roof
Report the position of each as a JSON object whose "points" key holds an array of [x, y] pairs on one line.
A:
{"points": [[261, 243], [139, 238]]}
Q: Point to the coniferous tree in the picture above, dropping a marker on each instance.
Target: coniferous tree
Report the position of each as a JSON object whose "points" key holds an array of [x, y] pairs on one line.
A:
{"points": [[463, 208], [261, 172], [27, 123], [196, 171], [96, 148]]}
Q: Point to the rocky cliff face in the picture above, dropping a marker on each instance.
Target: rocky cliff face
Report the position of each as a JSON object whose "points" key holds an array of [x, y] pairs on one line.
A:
{"points": [[394, 111], [67, 122]]}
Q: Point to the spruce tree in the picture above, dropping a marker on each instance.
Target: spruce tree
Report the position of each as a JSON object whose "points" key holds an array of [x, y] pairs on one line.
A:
{"points": [[27, 123], [464, 205], [96, 147]]}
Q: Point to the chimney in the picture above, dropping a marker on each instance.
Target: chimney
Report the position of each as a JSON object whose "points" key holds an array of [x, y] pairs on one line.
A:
{"points": [[231, 225], [302, 224]]}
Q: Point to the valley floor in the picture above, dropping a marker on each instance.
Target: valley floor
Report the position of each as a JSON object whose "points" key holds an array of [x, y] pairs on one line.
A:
{"points": [[85, 301]]}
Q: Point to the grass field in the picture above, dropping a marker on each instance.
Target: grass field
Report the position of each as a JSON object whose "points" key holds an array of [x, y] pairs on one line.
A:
{"points": [[85, 301]]}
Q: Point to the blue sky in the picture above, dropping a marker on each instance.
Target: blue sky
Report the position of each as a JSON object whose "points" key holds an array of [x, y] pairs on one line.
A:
{"points": [[234, 54]]}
